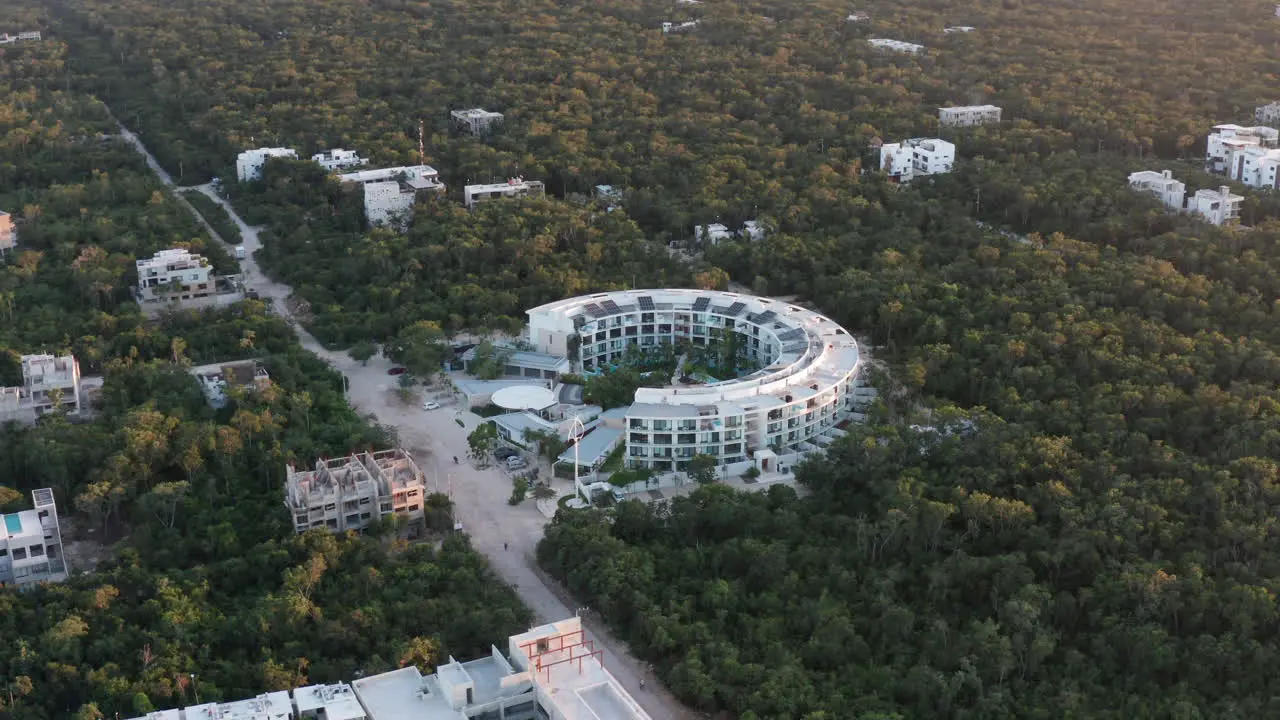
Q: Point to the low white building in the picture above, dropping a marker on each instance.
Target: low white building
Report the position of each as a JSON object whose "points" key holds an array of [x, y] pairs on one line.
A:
{"points": [[338, 159], [515, 187], [552, 671], [6, 38], [1161, 184], [476, 121], [958, 29], [1225, 144], [752, 230], [267, 706], [1219, 207], [353, 492], [249, 163], [968, 115], [390, 193], [858, 17], [8, 233], [1268, 114], [714, 233], [31, 544], [327, 702], [896, 46], [909, 159], [48, 383], [216, 380], [669, 27], [178, 278]]}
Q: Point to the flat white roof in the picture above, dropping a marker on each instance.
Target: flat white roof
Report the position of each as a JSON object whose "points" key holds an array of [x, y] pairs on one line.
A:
{"points": [[338, 701], [410, 171], [404, 695], [570, 676], [524, 397]]}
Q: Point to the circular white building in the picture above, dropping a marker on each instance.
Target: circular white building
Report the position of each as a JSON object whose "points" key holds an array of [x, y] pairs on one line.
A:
{"points": [[791, 405]]}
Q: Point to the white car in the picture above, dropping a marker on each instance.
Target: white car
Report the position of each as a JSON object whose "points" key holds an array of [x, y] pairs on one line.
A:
{"points": [[430, 406]]}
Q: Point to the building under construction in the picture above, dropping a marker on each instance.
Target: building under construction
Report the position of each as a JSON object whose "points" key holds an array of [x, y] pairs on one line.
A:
{"points": [[352, 492]]}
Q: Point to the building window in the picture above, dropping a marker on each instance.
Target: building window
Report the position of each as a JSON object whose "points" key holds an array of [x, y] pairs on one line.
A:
{"points": [[331, 506], [19, 553], [413, 508]]}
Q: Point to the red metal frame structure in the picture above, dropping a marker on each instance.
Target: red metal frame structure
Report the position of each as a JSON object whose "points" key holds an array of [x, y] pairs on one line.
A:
{"points": [[582, 642]]}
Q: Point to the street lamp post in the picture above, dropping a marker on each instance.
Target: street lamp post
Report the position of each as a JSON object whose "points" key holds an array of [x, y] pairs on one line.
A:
{"points": [[194, 688], [576, 431]]}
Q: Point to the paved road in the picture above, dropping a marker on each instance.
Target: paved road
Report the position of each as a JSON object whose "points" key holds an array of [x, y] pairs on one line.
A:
{"points": [[505, 534]]}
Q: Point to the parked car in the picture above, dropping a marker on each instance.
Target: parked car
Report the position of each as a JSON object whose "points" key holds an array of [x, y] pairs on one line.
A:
{"points": [[430, 405], [515, 462], [503, 453], [397, 371]]}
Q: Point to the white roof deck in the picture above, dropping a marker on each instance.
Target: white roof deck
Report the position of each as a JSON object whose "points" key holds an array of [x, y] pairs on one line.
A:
{"points": [[404, 694]]}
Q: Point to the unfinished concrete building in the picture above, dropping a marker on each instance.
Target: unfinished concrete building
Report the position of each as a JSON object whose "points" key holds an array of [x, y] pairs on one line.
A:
{"points": [[352, 492]]}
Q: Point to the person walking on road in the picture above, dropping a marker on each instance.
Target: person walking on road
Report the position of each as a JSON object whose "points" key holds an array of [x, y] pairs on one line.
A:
{"points": [[504, 546]]}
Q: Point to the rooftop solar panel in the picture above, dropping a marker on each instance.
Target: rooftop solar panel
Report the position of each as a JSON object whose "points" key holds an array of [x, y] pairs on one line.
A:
{"points": [[595, 310], [646, 303], [611, 307], [735, 309], [701, 304]]}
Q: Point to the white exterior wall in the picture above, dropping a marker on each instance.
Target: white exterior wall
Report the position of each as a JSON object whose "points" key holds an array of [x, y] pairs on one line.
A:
{"points": [[1225, 144], [476, 121], [31, 544], [474, 194], [337, 158], [1161, 184], [968, 115], [192, 272], [249, 163], [385, 203], [918, 156], [1219, 207]]}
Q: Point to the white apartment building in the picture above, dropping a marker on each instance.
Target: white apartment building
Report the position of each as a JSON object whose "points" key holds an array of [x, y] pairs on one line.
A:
{"points": [[554, 671], [669, 27], [48, 382], [908, 159], [896, 46], [350, 493], [249, 163], [775, 414], [31, 544], [1219, 207], [1161, 184], [179, 278], [1268, 114], [390, 193], [8, 233], [338, 159], [968, 115], [1225, 144], [515, 187], [217, 379], [476, 121]]}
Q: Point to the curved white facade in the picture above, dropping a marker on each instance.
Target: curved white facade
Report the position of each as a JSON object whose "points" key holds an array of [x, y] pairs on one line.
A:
{"points": [[791, 405]]}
